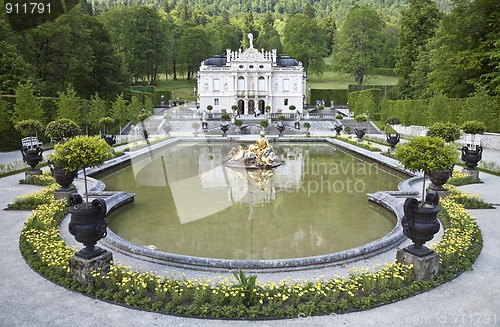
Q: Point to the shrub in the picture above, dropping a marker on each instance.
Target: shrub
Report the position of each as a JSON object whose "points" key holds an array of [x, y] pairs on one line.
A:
{"points": [[393, 120], [449, 132], [225, 117], [28, 127], [238, 122], [307, 125], [292, 107], [361, 118], [61, 129], [264, 123], [281, 117], [427, 154], [473, 127]]}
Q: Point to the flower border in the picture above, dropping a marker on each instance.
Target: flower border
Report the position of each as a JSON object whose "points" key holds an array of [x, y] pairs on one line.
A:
{"points": [[227, 297]]}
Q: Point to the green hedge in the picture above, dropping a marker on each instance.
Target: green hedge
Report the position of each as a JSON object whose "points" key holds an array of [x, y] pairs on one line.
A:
{"points": [[383, 88], [159, 93], [367, 101], [442, 109], [339, 96], [144, 88]]}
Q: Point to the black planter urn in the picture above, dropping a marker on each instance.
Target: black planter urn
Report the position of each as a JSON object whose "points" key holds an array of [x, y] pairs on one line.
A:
{"points": [[472, 156], [32, 156], [338, 129], [392, 139], [63, 177], [439, 178], [360, 133], [281, 128], [224, 126], [88, 224], [420, 223], [110, 139]]}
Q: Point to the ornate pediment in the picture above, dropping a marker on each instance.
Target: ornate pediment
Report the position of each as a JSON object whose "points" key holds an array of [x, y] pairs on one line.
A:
{"points": [[251, 55]]}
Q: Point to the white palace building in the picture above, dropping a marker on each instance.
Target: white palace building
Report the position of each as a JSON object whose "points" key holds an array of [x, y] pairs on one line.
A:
{"points": [[252, 80]]}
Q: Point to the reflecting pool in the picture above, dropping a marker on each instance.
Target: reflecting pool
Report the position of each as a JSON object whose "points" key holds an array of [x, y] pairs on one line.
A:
{"points": [[188, 202]]}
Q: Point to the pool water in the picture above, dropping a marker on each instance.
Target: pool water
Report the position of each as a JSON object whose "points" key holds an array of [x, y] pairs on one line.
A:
{"points": [[188, 202]]}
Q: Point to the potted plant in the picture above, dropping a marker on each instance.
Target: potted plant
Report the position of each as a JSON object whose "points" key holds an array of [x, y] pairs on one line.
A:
{"points": [[426, 154], [321, 108], [338, 128], [264, 124], [268, 109], [292, 107], [224, 124], [307, 126], [88, 220], [393, 140], [195, 127], [106, 123], [472, 153], [237, 124], [30, 149], [61, 129], [339, 116], [449, 132], [358, 131]]}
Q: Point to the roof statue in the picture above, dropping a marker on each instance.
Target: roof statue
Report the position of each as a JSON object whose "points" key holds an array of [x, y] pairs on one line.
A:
{"points": [[250, 38]]}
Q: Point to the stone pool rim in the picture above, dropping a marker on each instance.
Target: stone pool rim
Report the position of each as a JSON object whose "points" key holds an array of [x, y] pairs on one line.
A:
{"points": [[388, 200]]}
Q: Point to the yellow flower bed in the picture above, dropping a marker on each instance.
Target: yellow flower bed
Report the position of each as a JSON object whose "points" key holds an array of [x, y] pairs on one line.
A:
{"points": [[227, 297]]}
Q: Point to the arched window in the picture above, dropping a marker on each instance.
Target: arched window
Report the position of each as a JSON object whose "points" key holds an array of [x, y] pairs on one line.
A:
{"points": [[241, 83], [261, 84]]}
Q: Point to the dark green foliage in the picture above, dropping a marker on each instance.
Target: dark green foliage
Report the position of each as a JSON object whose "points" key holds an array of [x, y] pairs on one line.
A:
{"points": [[393, 120], [61, 128], [367, 101], [339, 96], [473, 127], [359, 40], [418, 24], [449, 132]]}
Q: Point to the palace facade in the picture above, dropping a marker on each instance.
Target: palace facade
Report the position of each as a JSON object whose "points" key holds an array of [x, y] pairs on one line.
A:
{"points": [[252, 80]]}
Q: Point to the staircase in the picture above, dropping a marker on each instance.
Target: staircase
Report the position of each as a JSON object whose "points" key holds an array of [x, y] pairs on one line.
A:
{"points": [[371, 128]]}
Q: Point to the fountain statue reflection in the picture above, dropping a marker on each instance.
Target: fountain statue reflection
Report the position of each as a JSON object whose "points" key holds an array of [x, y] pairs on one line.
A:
{"points": [[259, 155]]}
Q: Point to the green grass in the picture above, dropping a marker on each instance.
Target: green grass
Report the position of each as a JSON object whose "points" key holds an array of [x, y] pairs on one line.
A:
{"points": [[336, 80], [181, 88]]}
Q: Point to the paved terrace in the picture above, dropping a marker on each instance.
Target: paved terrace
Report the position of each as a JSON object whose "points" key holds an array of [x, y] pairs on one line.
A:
{"points": [[472, 299]]}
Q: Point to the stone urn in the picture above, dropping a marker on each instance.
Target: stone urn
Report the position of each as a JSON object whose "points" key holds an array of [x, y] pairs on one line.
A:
{"points": [[338, 129], [439, 178], [63, 177], [392, 139], [88, 224], [420, 223], [110, 139], [224, 126], [472, 156], [281, 128], [360, 133], [32, 157]]}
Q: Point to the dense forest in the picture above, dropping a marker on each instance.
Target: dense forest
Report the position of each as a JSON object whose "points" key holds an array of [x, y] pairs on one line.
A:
{"points": [[101, 48]]}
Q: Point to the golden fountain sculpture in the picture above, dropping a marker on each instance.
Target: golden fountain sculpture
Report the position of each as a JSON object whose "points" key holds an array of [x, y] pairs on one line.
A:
{"points": [[259, 155]]}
